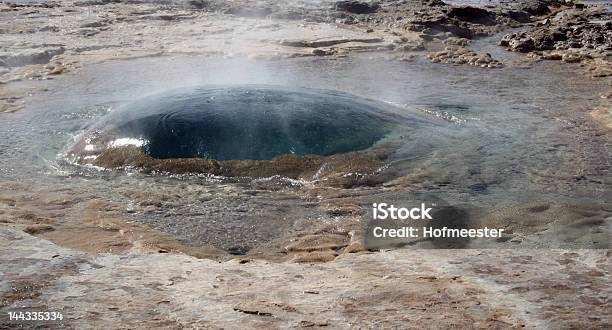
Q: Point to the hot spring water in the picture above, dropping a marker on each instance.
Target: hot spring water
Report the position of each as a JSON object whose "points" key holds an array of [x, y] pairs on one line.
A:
{"points": [[245, 123], [487, 137]]}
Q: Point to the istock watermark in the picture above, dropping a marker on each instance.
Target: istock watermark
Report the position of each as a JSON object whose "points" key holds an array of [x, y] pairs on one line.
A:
{"points": [[424, 221], [383, 211]]}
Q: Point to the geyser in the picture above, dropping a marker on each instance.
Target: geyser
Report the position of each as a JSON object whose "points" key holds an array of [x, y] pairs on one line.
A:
{"points": [[254, 123], [231, 130]]}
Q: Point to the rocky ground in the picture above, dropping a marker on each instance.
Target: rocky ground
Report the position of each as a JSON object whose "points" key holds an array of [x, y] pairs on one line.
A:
{"points": [[107, 271], [44, 39], [578, 35], [411, 289]]}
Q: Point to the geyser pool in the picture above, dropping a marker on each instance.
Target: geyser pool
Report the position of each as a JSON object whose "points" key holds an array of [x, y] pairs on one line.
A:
{"points": [[238, 123], [249, 123]]}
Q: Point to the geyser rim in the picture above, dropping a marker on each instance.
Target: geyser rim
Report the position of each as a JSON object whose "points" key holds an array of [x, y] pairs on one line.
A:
{"points": [[338, 170]]}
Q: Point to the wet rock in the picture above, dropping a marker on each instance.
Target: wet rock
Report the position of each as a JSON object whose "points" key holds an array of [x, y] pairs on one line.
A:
{"points": [[577, 35], [356, 7], [434, 28], [452, 41], [88, 3], [433, 17], [296, 167], [327, 42], [322, 52], [538, 7], [410, 45], [552, 56], [523, 45], [463, 56], [473, 15], [55, 68], [405, 58], [571, 58]]}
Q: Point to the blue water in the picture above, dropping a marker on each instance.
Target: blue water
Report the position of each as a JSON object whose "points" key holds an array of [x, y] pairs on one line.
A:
{"points": [[251, 122]]}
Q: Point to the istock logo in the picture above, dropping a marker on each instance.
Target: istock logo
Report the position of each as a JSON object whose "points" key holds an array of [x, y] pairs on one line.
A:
{"points": [[383, 211]]}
